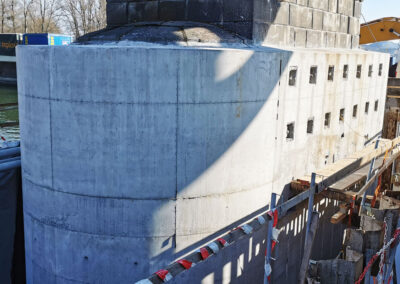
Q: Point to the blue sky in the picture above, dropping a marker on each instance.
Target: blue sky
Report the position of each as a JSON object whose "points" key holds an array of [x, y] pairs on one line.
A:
{"points": [[375, 9]]}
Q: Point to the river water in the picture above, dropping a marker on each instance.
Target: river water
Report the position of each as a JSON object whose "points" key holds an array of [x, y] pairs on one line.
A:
{"points": [[9, 95]]}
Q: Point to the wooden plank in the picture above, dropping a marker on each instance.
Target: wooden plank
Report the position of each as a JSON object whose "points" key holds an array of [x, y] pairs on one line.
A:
{"points": [[359, 176], [387, 164], [338, 217], [357, 160]]}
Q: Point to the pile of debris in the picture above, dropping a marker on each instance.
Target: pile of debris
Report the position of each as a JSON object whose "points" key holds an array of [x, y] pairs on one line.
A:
{"points": [[369, 247]]}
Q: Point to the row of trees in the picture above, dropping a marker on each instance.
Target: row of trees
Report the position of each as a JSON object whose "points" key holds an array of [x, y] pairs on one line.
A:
{"points": [[75, 17]]}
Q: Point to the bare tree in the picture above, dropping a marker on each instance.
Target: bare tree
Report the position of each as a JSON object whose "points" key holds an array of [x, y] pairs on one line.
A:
{"points": [[76, 17], [3, 14], [46, 14], [84, 16], [26, 11]]}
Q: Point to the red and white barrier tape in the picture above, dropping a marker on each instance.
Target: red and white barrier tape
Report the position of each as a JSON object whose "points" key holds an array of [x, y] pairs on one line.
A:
{"points": [[214, 247], [247, 229], [164, 275], [274, 216], [381, 251], [204, 253], [261, 220], [223, 242], [186, 263], [274, 240]]}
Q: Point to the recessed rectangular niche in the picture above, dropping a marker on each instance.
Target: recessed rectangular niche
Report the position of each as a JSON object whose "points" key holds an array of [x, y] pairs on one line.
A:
{"points": [[370, 70], [380, 69], [376, 105], [292, 76], [327, 121], [366, 107], [359, 69], [290, 131], [355, 111], [331, 73], [313, 74], [310, 126], [341, 115], [345, 71]]}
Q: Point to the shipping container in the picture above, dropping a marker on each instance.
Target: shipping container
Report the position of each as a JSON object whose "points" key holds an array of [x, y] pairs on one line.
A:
{"points": [[46, 39], [8, 42]]}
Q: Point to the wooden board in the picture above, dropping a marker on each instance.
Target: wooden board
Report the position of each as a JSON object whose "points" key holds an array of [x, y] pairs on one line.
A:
{"points": [[344, 167]]}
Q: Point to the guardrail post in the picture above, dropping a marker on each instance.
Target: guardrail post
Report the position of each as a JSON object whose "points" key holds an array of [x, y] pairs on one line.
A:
{"points": [[310, 205], [269, 242], [371, 168]]}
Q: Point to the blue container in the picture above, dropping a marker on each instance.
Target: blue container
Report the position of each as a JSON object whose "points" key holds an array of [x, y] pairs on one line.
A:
{"points": [[46, 39]]}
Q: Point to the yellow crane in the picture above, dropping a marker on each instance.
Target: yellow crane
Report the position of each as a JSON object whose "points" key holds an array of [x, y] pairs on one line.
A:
{"points": [[380, 30]]}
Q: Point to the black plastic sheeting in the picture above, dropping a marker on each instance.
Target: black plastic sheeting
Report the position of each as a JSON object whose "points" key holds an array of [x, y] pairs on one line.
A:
{"points": [[12, 254]]}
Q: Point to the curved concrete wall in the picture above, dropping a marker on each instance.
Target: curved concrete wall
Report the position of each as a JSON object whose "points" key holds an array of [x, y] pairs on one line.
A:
{"points": [[132, 155]]}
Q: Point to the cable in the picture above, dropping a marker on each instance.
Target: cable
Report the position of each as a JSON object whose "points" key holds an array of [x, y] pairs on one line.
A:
{"points": [[369, 28]]}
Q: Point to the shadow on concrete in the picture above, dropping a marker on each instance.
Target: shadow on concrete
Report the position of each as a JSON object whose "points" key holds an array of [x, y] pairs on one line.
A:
{"points": [[243, 261]]}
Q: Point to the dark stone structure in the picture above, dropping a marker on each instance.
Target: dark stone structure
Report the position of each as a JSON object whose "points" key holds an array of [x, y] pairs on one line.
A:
{"points": [[232, 15]]}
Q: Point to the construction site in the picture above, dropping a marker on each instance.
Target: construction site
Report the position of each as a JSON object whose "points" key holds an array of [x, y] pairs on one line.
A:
{"points": [[218, 141]]}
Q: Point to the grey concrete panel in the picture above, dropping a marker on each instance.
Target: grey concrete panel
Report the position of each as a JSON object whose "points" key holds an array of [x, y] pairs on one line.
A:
{"points": [[125, 151], [315, 39], [216, 72], [35, 121], [354, 26], [345, 7], [330, 39], [331, 22], [238, 10], [276, 35], [117, 14], [281, 14], [197, 152], [317, 20], [319, 4], [271, 11], [355, 41], [144, 87], [205, 10], [172, 10], [195, 227], [357, 9], [73, 212], [300, 37], [344, 24], [333, 6], [301, 2], [244, 29], [37, 62], [77, 257], [143, 11], [301, 16]]}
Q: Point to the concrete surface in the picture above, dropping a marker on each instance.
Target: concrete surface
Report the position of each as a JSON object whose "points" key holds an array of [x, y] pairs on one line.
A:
{"points": [[132, 156]]}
